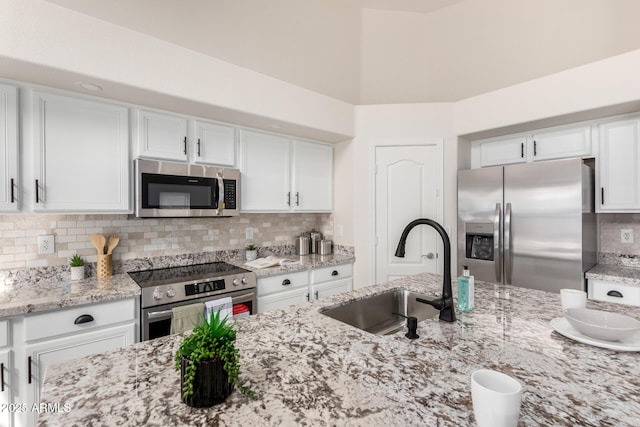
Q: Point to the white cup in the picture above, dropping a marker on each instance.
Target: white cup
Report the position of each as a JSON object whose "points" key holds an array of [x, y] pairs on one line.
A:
{"points": [[496, 398], [573, 298]]}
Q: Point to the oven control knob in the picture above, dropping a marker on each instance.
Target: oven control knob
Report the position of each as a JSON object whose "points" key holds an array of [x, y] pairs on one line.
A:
{"points": [[157, 294], [236, 282], [171, 292], [245, 280]]}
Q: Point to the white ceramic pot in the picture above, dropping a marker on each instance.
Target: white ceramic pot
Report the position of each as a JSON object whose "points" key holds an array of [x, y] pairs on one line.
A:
{"points": [[77, 273], [251, 255]]}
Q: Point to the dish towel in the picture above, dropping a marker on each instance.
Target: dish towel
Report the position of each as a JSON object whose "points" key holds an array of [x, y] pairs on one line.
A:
{"points": [[223, 305], [185, 317]]}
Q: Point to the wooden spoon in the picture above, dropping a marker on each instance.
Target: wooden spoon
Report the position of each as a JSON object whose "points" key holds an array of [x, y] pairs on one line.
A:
{"points": [[112, 243], [98, 242]]}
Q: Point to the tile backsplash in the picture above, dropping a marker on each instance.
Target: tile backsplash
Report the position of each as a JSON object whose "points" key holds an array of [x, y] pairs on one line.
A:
{"points": [[141, 238], [612, 249]]}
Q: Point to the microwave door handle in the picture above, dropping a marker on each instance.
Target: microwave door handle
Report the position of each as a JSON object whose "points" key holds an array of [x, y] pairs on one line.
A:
{"points": [[220, 197]]}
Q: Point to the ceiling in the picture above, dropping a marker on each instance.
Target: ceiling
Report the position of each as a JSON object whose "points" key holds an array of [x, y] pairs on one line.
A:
{"points": [[387, 51]]}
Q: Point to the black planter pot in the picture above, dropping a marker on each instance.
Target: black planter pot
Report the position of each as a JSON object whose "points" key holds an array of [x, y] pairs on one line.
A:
{"points": [[210, 385]]}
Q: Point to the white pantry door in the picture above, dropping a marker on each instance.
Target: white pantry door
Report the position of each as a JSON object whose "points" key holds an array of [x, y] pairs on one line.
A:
{"points": [[407, 187]]}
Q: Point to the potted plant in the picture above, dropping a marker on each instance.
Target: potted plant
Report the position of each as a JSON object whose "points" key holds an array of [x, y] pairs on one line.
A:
{"points": [[77, 267], [251, 252], [209, 363]]}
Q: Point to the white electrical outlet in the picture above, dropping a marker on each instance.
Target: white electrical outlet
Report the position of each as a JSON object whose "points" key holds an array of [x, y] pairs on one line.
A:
{"points": [[248, 233], [626, 235], [46, 244]]}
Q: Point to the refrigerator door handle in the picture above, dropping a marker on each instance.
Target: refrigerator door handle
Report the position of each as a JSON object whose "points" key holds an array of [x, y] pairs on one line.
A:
{"points": [[496, 242], [508, 258]]}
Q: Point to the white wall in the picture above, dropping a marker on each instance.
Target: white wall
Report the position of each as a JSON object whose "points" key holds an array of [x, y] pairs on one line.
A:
{"points": [[35, 34], [396, 124]]}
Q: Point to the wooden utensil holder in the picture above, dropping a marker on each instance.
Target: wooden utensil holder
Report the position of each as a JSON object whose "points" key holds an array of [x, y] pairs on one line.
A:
{"points": [[104, 268]]}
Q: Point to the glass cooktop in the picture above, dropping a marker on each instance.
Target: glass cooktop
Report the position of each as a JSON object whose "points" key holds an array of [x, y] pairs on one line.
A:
{"points": [[185, 273]]}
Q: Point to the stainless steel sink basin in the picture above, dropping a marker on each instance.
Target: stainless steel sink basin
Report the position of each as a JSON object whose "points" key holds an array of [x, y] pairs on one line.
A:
{"points": [[375, 314]]}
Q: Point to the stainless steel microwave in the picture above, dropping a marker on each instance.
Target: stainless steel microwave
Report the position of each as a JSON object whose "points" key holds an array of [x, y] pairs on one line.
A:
{"points": [[171, 189]]}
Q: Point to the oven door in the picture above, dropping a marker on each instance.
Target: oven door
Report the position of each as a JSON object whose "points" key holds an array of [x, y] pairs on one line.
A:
{"points": [[156, 321]]}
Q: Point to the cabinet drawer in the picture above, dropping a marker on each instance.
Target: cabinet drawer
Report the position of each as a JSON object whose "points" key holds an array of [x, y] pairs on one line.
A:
{"points": [[4, 333], [614, 292], [282, 282], [331, 273], [62, 322]]}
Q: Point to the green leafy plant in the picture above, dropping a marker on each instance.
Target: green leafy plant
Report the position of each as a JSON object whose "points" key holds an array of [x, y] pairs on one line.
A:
{"points": [[76, 261], [251, 247], [213, 339]]}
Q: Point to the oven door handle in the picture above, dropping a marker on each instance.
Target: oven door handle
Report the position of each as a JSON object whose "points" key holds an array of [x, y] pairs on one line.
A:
{"points": [[155, 315]]}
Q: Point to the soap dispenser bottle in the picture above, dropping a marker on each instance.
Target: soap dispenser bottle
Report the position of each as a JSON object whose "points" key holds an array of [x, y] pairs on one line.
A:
{"points": [[465, 290]]}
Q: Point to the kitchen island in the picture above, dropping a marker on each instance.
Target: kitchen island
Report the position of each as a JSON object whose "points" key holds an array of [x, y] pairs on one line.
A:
{"points": [[309, 369]]}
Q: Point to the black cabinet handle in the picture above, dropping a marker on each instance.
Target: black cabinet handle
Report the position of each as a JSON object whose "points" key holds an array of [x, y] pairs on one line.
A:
{"points": [[289, 198], [13, 198], [198, 147], [308, 297], [83, 318], [602, 195], [316, 294], [297, 198], [29, 368], [286, 282], [2, 376], [522, 150], [185, 145], [37, 191], [535, 149], [334, 273], [616, 294]]}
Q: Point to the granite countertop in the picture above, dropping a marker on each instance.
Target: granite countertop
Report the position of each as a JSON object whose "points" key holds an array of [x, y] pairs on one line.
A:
{"points": [[309, 369], [615, 273], [303, 262], [54, 293]]}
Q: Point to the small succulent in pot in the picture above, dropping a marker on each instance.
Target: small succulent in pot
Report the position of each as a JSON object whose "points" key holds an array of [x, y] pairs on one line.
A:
{"points": [[209, 363], [251, 252], [77, 267]]}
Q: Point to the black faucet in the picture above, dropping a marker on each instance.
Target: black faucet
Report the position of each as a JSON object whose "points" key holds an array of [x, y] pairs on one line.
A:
{"points": [[445, 302]]}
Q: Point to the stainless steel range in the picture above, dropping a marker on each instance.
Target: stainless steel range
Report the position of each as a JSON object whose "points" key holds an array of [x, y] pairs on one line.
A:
{"points": [[166, 288]]}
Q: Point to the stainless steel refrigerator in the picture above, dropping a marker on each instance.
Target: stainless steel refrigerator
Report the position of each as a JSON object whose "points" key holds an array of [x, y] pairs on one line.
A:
{"points": [[531, 225]]}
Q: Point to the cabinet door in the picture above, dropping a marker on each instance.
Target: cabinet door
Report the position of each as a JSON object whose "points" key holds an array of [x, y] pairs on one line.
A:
{"points": [[82, 155], [162, 136], [214, 144], [8, 148], [6, 387], [312, 183], [283, 299], [618, 166], [264, 163], [503, 151], [574, 142], [49, 352], [330, 288]]}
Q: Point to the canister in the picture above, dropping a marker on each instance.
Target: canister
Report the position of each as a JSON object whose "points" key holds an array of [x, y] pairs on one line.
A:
{"points": [[316, 237], [303, 244], [325, 247]]}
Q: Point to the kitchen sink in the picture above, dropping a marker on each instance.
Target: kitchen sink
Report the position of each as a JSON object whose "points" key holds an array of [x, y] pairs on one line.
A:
{"points": [[375, 314]]}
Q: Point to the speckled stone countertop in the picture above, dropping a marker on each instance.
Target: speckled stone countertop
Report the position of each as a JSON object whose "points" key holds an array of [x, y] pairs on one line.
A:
{"points": [[309, 369], [304, 262], [615, 273], [52, 294]]}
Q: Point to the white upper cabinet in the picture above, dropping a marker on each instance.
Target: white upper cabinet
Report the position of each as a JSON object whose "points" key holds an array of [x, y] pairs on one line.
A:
{"points": [[312, 176], [81, 153], [265, 167], [503, 151], [162, 136], [215, 144], [571, 142], [617, 168], [284, 175], [546, 144], [9, 196]]}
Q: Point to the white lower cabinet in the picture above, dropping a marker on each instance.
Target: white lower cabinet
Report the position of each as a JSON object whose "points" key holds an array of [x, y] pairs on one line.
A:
{"points": [[285, 290], [620, 293], [7, 389], [53, 337]]}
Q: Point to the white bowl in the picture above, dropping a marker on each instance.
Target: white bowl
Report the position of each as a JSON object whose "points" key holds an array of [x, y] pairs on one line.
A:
{"points": [[602, 325]]}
